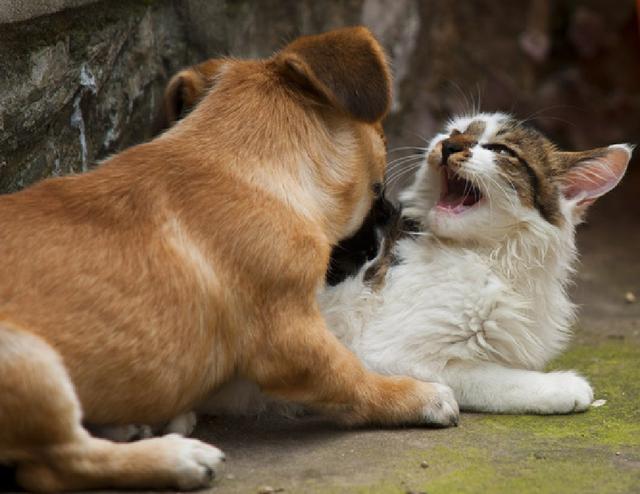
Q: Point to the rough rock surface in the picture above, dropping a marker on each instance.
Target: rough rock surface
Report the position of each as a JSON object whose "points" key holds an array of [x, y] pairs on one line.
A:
{"points": [[78, 85], [19, 10], [82, 83]]}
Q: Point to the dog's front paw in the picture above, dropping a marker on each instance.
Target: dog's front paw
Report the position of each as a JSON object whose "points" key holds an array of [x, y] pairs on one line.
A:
{"points": [[442, 408], [194, 462], [565, 392]]}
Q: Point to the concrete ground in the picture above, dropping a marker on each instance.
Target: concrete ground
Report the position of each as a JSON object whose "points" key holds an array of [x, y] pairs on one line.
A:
{"points": [[594, 452]]}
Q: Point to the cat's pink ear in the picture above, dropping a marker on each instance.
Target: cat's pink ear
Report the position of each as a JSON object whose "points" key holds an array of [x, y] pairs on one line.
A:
{"points": [[591, 174]]}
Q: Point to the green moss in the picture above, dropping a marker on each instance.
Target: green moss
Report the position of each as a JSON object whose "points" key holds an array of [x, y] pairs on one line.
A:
{"points": [[472, 469], [499, 471], [614, 371], [597, 451]]}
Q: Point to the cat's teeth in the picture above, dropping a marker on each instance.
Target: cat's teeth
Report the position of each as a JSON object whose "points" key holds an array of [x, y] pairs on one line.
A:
{"points": [[457, 193]]}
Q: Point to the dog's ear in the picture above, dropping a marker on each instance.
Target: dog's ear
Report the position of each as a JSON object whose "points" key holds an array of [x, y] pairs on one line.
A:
{"points": [[346, 68], [186, 88]]}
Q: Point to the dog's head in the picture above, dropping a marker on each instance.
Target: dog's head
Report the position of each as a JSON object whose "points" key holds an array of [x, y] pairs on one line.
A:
{"points": [[314, 108]]}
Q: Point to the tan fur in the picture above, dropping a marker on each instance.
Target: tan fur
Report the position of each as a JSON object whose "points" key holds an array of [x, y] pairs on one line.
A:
{"points": [[131, 292]]}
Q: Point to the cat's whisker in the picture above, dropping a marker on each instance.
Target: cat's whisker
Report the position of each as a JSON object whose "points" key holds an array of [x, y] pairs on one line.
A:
{"points": [[552, 107], [538, 114], [391, 180], [407, 155], [510, 199], [405, 165], [420, 136], [467, 190], [479, 105], [467, 105], [390, 177], [513, 188], [557, 119], [404, 148], [504, 192], [410, 168], [414, 155], [472, 99], [397, 161], [484, 187]]}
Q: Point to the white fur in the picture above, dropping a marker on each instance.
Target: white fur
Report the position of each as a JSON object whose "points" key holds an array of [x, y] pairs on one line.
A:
{"points": [[448, 304], [478, 301], [195, 462]]}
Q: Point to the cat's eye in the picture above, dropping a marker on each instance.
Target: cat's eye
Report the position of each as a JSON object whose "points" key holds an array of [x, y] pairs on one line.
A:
{"points": [[501, 149]]}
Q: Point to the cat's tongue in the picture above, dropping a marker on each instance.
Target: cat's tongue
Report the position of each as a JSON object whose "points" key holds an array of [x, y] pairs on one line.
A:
{"points": [[457, 193]]}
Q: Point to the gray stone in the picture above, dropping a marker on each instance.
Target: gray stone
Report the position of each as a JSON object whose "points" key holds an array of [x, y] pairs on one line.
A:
{"points": [[21, 10], [79, 85]]}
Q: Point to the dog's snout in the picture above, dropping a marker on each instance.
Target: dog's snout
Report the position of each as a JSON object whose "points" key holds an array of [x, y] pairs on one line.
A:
{"points": [[449, 147]]}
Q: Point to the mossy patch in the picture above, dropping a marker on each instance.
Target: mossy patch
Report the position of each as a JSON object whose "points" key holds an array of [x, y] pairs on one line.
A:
{"points": [[560, 470], [614, 371], [597, 451]]}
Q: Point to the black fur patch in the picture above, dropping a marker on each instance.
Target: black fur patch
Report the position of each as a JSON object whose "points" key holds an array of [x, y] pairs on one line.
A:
{"points": [[348, 257], [396, 228]]}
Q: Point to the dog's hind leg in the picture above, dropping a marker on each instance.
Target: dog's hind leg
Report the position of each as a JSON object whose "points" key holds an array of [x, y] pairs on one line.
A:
{"points": [[41, 432]]}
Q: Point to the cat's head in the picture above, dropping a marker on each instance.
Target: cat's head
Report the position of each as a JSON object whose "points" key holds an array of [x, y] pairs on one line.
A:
{"points": [[488, 174]]}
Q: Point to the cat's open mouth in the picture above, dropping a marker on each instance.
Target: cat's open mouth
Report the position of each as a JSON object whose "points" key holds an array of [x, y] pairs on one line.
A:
{"points": [[457, 194]]}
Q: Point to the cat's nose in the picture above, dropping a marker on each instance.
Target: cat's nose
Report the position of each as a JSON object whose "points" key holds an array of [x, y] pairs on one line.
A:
{"points": [[449, 147]]}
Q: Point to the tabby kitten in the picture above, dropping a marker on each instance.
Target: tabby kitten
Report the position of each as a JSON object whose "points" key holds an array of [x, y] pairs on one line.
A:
{"points": [[476, 297]]}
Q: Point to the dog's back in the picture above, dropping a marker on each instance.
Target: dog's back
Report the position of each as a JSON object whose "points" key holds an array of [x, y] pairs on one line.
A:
{"points": [[131, 292]]}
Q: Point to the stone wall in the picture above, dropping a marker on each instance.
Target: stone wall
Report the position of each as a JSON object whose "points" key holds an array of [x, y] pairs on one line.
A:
{"points": [[82, 83], [77, 84]]}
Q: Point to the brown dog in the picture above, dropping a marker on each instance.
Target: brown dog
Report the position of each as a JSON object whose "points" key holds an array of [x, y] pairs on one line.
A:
{"points": [[129, 293]]}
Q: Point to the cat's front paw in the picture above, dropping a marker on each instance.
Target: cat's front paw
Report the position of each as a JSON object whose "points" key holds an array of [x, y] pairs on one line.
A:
{"points": [[565, 392]]}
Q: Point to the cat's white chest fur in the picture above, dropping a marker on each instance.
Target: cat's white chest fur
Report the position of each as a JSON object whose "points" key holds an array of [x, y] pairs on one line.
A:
{"points": [[445, 303]]}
